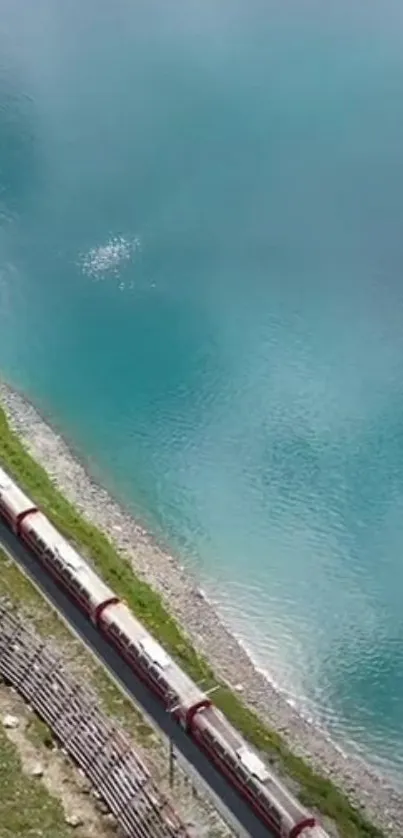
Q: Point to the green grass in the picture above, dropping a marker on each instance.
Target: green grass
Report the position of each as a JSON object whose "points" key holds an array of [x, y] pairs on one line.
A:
{"points": [[316, 791], [26, 807], [39, 733]]}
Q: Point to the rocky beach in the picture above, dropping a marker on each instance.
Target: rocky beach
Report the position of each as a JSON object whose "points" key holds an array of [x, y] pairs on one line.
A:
{"points": [[382, 802]]}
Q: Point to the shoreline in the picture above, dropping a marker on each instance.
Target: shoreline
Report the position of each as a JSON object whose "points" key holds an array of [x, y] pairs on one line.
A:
{"points": [[363, 785]]}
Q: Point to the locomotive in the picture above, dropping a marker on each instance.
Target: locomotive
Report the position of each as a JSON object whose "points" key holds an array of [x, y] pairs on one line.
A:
{"points": [[279, 810]]}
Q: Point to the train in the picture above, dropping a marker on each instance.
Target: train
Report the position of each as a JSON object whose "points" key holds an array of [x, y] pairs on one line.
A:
{"points": [[193, 709]]}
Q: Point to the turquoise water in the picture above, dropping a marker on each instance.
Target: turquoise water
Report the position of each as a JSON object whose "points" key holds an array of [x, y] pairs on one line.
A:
{"points": [[201, 282]]}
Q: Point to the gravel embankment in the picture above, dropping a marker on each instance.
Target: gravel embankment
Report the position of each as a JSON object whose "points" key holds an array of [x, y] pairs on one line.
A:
{"points": [[383, 803]]}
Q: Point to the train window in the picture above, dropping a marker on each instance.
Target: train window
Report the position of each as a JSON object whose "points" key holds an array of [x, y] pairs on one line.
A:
{"points": [[69, 580], [242, 773], [162, 681], [81, 589], [219, 746], [125, 639], [229, 757], [134, 652], [121, 635], [225, 753], [39, 541], [155, 675], [207, 735], [273, 812], [54, 559]]}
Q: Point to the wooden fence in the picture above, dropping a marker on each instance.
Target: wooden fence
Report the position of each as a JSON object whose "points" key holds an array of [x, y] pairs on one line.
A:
{"points": [[94, 741]]}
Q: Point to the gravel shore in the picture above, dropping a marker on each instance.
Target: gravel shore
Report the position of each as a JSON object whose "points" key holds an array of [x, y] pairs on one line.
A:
{"points": [[368, 790]]}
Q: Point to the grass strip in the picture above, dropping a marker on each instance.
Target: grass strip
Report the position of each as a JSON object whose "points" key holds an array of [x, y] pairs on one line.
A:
{"points": [[315, 791]]}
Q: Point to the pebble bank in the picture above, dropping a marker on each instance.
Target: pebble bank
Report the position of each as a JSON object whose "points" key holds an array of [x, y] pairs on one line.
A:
{"points": [[375, 794]]}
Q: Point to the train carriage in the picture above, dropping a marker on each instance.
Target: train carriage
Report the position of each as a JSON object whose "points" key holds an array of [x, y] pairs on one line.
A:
{"points": [[152, 663], [66, 565], [277, 807]]}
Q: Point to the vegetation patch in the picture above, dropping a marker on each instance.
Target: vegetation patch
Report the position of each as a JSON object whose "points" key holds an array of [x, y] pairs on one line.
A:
{"points": [[26, 807], [39, 733], [316, 792]]}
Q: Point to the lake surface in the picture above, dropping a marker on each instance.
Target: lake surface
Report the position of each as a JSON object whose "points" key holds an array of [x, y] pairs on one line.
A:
{"points": [[201, 282]]}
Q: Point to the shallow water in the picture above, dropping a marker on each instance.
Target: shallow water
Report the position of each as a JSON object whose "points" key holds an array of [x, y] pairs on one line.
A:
{"points": [[201, 209]]}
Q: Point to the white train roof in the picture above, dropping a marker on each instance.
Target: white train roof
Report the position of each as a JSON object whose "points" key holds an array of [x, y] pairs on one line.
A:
{"points": [[253, 763], [4, 477], [70, 558], [155, 652], [187, 692], [12, 495]]}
